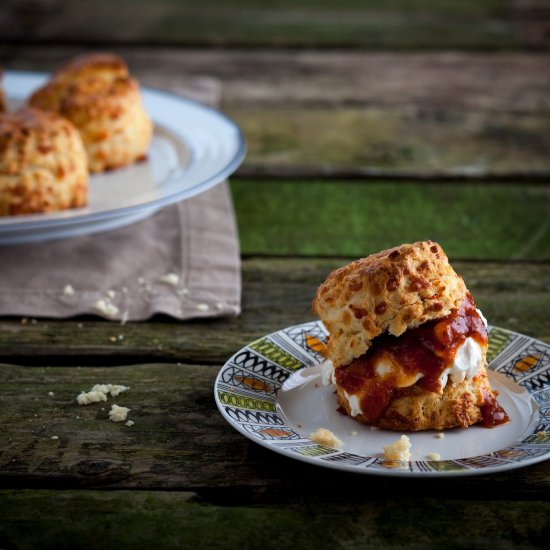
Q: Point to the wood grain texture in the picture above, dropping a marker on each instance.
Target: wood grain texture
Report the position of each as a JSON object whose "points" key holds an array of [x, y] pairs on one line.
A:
{"points": [[179, 441], [421, 114], [468, 24], [140, 519], [276, 293]]}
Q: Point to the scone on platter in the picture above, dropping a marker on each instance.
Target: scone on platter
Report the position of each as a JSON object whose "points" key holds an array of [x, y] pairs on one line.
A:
{"points": [[97, 94], [407, 345], [43, 165]]}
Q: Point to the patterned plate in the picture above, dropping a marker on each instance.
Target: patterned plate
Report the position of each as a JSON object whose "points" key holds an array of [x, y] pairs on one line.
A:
{"points": [[271, 392]]}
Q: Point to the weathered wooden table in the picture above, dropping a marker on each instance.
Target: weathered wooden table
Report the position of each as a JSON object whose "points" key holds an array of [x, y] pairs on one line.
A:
{"points": [[366, 128]]}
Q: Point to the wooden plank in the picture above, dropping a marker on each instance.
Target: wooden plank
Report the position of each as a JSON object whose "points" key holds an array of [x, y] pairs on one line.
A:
{"points": [[276, 293], [179, 441], [422, 115], [430, 24], [354, 219], [140, 519]]}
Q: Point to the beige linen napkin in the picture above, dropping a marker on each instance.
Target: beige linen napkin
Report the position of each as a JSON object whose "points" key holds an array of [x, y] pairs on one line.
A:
{"points": [[183, 261]]}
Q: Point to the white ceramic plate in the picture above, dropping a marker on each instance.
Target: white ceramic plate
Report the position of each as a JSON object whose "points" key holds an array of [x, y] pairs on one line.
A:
{"points": [[194, 147], [271, 392]]}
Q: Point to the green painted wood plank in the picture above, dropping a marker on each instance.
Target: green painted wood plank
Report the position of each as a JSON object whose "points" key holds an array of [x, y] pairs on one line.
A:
{"points": [[488, 24], [356, 219], [276, 293], [179, 441], [49, 519]]}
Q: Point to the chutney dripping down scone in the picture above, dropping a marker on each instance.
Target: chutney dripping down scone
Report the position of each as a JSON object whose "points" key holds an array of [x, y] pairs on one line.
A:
{"points": [[97, 94], [407, 346], [43, 165]]}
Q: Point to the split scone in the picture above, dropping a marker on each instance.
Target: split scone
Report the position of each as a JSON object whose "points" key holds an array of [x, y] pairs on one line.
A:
{"points": [[406, 345], [97, 94], [43, 166]]}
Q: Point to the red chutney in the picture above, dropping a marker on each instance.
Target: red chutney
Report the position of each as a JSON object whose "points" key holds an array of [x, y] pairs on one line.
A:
{"points": [[428, 349]]}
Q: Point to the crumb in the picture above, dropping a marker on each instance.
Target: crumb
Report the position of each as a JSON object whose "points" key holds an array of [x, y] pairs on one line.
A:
{"points": [[170, 279], [68, 290], [299, 425], [24, 320], [34, 321], [183, 291], [219, 305], [124, 318], [542, 433], [439, 435], [434, 456], [51, 394], [106, 308], [111, 294], [353, 434], [203, 307], [99, 393], [121, 336], [141, 280], [118, 414], [325, 437], [129, 423], [54, 437], [113, 338], [398, 450], [80, 325]]}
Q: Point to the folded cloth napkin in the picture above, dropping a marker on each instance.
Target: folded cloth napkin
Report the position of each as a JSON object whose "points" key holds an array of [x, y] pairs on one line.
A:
{"points": [[183, 261]]}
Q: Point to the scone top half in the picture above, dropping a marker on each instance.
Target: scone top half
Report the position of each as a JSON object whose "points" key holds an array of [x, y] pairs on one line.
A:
{"points": [[390, 291]]}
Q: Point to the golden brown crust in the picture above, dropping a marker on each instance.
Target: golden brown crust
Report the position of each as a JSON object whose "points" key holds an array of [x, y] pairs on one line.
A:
{"points": [[392, 291], [99, 97], [414, 409], [43, 165]]}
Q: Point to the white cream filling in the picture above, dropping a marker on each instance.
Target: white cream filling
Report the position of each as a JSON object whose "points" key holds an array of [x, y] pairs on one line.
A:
{"points": [[327, 373], [467, 361]]}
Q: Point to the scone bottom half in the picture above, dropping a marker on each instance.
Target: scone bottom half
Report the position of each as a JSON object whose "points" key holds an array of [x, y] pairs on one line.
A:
{"points": [[407, 343]]}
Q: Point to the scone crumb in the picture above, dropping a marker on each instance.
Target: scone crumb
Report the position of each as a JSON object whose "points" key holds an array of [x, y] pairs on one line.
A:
{"points": [[398, 450], [111, 294], [203, 307], [51, 394], [99, 393], [439, 435], [170, 279], [68, 290], [434, 456], [322, 436], [54, 437], [353, 434], [118, 414], [129, 423], [106, 307]]}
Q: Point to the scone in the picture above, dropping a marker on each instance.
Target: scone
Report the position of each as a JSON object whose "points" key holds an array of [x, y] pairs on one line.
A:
{"points": [[2, 95], [406, 342], [43, 166], [97, 94]]}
